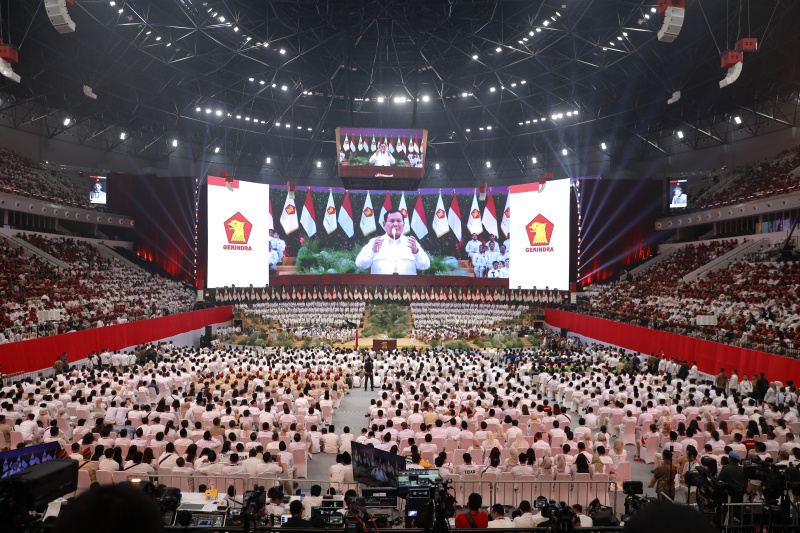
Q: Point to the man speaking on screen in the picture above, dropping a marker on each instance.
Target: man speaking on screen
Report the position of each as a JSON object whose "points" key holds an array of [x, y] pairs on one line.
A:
{"points": [[382, 158], [393, 253]]}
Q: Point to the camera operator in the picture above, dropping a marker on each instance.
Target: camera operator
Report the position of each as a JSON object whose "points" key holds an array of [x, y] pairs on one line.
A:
{"points": [[581, 520], [732, 474]]}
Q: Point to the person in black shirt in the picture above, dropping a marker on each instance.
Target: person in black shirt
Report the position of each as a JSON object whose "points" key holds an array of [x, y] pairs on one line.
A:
{"points": [[368, 378], [297, 520]]}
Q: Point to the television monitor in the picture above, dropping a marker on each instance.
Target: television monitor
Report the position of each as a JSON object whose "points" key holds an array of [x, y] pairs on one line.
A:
{"points": [[98, 193], [416, 479], [380, 497], [15, 461], [376, 468], [381, 153], [678, 198]]}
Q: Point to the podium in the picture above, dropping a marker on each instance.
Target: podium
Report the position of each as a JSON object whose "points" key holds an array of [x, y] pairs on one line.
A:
{"points": [[384, 344]]}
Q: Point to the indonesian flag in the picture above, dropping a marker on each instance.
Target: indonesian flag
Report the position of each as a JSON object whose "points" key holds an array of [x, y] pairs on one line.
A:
{"points": [[367, 223], [403, 145], [490, 216], [345, 144], [366, 144], [387, 206], [352, 145], [329, 222], [418, 222], [440, 226], [346, 215], [404, 210], [416, 147], [360, 144], [391, 146], [316, 294], [294, 293], [505, 224], [373, 146], [454, 218], [309, 219], [289, 215], [474, 218]]}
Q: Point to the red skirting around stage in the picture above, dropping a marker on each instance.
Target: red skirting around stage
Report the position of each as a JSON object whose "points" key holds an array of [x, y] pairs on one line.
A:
{"points": [[384, 280], [35, 354], [710, 356]]}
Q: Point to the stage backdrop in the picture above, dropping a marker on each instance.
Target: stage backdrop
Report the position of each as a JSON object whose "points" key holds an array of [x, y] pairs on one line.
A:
{"points": [[36, 354], [710, 356]]}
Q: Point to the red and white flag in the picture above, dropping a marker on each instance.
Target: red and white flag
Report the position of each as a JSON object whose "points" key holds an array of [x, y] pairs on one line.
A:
{"points": [[490, 217], [440, 226], [352, 146], [474, 217], [346, 215], [329, 221], [404, 210], [454, 217], [505, 224], [367, 223], [309, 219], [387, 206], [418, 222]]}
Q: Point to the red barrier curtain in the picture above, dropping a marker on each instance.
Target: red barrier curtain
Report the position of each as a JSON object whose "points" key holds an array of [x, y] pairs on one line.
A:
{"points": [[36, 354], [710, 356]]}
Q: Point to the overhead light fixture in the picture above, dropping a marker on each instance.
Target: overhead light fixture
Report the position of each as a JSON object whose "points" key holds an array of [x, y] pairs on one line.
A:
{"points": [[219, 113], [738, 120], [530, 33], [475, 56], [538, 30], [222, 19], [488, 164], [426, 98], [239, 117], [251, 79], [236, 28], [216, 150], [284, 88], [288, 125], [269, 160], [67, 121], [653, 10], [283, 51], [533, 160], [436, 166], [122, 136], [174, 143], [319, 164], [498, 49], [546, 23], [380, 99], [488, 127], [399, 99], [603, 146], [680, 134], [208, 111], [492, 89], [468, 130], [464, 95], [481, 128], [158, 38], [564, 151]]}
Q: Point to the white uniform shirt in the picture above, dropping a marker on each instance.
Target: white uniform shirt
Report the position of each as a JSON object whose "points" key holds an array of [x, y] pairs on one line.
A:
{"points": [[393, 252]]}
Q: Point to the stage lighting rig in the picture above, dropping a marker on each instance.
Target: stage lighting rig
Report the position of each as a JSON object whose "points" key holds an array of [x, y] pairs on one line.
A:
{"points": [[58, 15], [673, 12], [8, 56]]}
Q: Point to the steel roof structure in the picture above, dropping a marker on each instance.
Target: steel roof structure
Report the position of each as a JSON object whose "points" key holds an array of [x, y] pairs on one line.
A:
{"points": [[511, 80]]}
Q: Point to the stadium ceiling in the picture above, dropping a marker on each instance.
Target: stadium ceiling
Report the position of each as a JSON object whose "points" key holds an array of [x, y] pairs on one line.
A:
{"points": [[502, 79]]}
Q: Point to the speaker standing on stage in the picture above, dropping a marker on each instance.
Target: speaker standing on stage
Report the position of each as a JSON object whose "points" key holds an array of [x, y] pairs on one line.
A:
{"points": [[393, 252]]}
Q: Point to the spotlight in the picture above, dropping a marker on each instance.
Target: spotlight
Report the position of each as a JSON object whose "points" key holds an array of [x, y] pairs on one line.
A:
{"points": [[208, 111], [738, 120], [67, 121], [269, 160], [468, 130], [219, 113], [680, 134], [492, 89], [283, 51], [175, 143], [436, 166], [198, 109], [122, 136], [475, 56], [498, 49], [399, 99], [488, 164], [262, 82], [216, 150], [319, 164], [533, 160], [380, 99], [564, 151], [603, 146], [251, 79], [426, 98], [284, 88]]}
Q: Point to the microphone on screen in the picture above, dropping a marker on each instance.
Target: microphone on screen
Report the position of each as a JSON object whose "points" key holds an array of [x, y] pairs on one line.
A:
{"points": [[394, 236]]}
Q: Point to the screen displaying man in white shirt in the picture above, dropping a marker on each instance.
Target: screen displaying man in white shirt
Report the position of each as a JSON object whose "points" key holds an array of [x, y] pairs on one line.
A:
{"points": [[382, 158], [393, 252]]}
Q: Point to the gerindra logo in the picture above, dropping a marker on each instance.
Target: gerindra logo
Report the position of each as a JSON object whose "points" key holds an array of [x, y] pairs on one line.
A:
{"points": [[540, 231], [237, 229]]}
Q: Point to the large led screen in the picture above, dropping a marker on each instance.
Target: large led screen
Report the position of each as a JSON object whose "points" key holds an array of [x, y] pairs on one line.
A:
{"points": [[381, 153], [541, 227], [452, 232], [239, 225]]}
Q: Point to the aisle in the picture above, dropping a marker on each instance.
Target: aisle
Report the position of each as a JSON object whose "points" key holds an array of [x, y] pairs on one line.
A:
{"points": [[351, 413]]}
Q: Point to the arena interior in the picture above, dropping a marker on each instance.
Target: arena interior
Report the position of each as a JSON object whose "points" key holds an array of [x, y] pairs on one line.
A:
{"points": [[257, 269]]}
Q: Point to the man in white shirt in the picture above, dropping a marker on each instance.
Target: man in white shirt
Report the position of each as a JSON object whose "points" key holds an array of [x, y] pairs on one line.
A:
{"points": [[314, 500], [382, 158], [473, 247], [499, 520], [527, 518], [393, 252], [234, 468]]}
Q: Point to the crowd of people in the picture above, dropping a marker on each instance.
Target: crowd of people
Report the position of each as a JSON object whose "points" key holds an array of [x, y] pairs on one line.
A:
{"points": [[19, 175], [558, 411], [93, 291], [761, 179], [754, 304], [448, 321]]}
